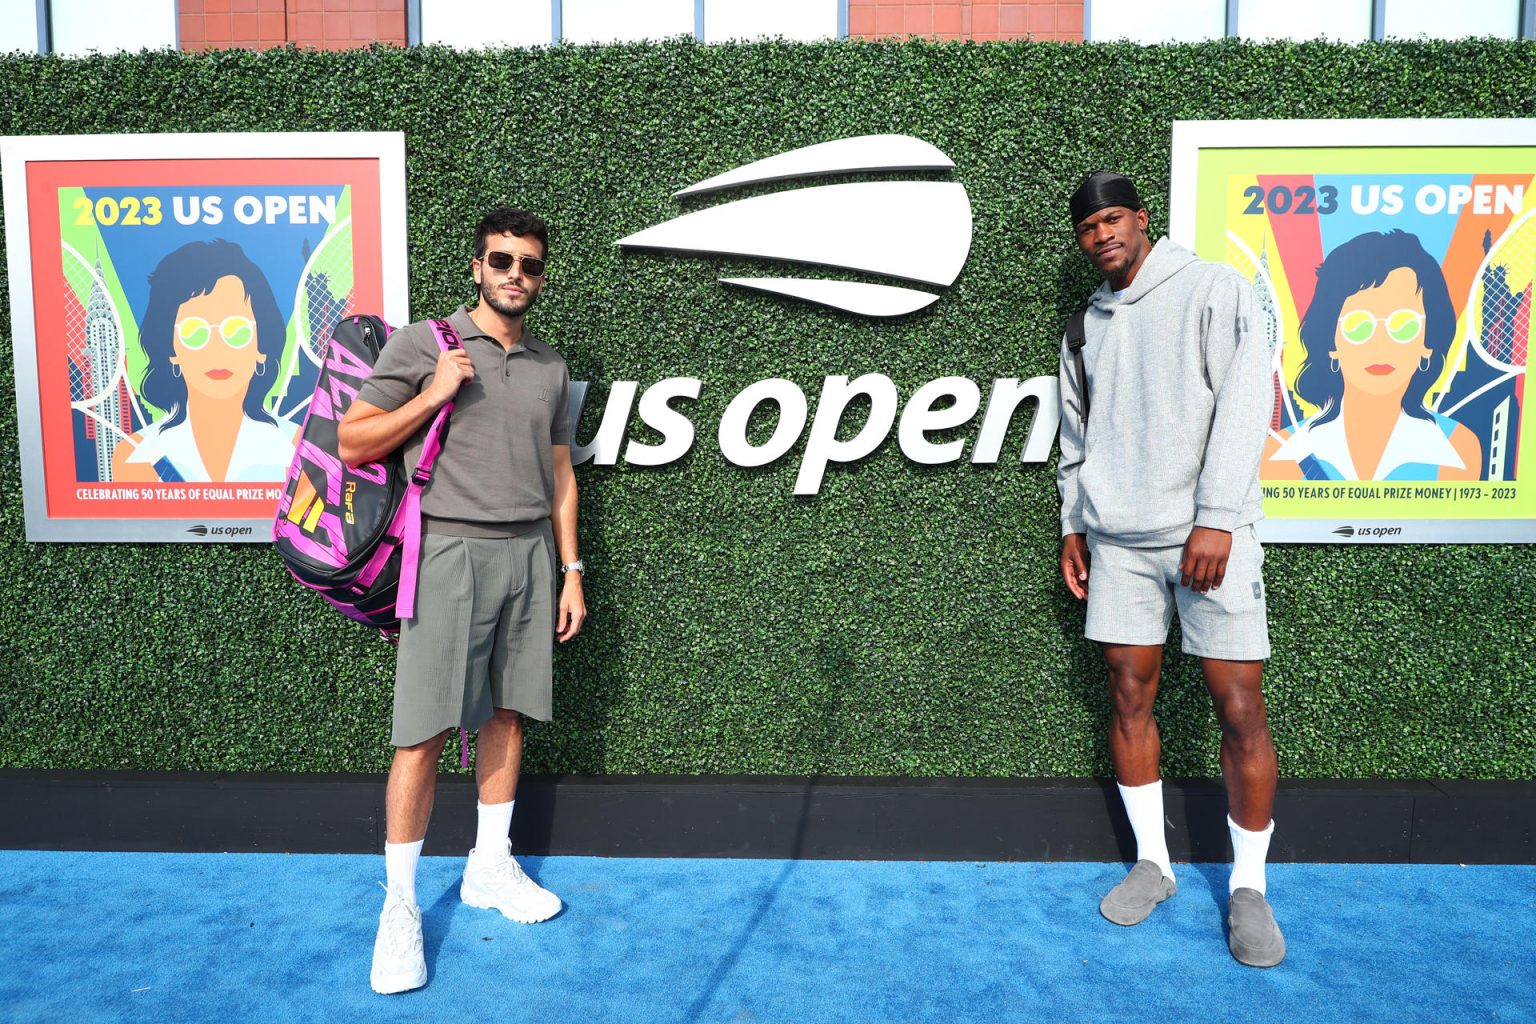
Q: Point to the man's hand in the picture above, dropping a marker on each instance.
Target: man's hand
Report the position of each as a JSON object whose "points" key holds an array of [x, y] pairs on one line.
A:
{"points": [[1074, 564], [1204, 564], [573, 608], [453, 371]]}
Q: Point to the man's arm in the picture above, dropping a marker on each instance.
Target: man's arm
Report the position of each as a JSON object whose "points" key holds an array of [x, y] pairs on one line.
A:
{"points": [[573, 606], [1074, 547], [367, 432], [1070, 442], [1237, 366]]}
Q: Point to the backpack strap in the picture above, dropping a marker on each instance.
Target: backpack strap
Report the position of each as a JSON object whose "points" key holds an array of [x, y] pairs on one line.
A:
{"points": [[1077, 336], [407, 525]]}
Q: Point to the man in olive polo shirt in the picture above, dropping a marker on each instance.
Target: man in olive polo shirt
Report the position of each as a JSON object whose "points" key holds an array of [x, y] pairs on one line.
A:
{"points": [[501, 504]]}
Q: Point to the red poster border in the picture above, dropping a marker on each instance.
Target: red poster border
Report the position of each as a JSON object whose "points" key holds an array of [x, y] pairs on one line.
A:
{"points": [[44, 178]]}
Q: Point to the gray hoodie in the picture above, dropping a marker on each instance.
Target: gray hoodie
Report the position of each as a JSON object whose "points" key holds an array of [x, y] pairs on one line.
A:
{"points": [[1180, 395]]}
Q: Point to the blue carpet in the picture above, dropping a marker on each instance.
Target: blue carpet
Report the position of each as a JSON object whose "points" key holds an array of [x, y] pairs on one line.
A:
{"points": [[238, 938]]}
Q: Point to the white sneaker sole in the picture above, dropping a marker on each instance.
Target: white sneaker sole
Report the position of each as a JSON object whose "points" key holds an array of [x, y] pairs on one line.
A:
{"points": [[475, 897], [393, 984]]}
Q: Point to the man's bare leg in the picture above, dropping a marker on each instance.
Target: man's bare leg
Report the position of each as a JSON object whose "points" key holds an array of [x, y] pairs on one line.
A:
{"points": [[398, 958], [407, 808], [1135, 748], [1247, 751], [499, 756], [398, 961], [411, 788], [493, 880], [1248, 763]]}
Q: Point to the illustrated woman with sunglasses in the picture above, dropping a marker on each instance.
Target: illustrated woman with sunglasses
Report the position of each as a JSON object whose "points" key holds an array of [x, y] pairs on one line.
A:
{"points": [[1376, 337], [211, 322]]}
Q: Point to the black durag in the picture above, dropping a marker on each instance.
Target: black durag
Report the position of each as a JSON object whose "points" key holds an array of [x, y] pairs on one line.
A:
{"points": [[1103, 189]]}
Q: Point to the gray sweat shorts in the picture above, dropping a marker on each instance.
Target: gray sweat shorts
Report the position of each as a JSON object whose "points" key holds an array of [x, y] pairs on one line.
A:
{"points": [[483, 633], [1132, 594]]}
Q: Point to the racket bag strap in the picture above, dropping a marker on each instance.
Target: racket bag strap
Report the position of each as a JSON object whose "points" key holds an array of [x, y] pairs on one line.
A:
{"points": [[1077, 336], [396, 535], [410, 551], [447, 337], [404, 530], [409, 516]]}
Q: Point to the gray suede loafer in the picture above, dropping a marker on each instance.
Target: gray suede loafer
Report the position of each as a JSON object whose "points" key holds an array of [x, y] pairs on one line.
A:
{"points": [[1253, 935], [1133, 899]]}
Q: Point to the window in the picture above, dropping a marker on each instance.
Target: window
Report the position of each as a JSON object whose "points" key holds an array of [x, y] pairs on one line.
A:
{"points": [[475, 24], [751, 19], [1168, 21], [78, 27], [607, 21], [1341, 20], [1438, 19], [1347, 21], [19, 32]]}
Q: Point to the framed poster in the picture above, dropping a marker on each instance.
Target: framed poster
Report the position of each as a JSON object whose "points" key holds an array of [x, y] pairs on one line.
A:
{"points": [[171, 297], [1393, 263]]}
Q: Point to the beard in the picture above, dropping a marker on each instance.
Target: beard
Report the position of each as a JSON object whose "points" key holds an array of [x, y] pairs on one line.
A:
{"points": [[1121, 262], [507, 307]]}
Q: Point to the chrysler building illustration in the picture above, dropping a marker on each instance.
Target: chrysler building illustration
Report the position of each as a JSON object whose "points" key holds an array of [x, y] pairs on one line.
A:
{"points": [[1269, 312]]}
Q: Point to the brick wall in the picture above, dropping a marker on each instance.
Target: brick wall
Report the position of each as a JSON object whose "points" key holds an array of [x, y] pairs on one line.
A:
{"points": [[1058, 20], [259, 24], [339, 24]]}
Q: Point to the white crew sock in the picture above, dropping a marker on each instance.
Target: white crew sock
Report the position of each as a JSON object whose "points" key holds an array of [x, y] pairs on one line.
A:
{"points": [[493, 826], [400, 868], [1249, 849], [1144, 806]]}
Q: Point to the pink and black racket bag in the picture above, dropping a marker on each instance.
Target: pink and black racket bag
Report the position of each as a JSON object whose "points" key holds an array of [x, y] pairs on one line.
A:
{"points": [[354, 535]]}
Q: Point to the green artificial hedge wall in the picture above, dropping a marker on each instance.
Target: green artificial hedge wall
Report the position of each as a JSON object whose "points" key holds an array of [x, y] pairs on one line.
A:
{"points": [[908, 621]]}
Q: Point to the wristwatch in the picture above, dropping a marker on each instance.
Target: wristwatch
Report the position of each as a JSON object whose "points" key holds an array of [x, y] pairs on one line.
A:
{"points": [[578, 566]]}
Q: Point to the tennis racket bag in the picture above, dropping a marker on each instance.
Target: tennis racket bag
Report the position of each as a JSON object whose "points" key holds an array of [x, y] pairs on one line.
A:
{"points": [[354, 535]]}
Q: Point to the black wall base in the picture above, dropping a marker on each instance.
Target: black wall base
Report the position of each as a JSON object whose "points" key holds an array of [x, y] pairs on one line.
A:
{"points": [[737, 816]]}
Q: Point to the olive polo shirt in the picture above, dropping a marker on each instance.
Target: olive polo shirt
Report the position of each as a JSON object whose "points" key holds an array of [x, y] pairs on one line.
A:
{"points": [[496, 466]]}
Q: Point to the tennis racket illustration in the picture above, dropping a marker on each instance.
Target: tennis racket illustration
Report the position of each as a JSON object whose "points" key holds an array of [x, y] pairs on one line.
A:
{"points": [[93, 348], [325, 293], [1272, 322]]}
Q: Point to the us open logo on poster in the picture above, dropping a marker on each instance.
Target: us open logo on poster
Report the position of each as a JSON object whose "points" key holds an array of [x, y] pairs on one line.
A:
{"points": [[172, 296], [1393, 264]]}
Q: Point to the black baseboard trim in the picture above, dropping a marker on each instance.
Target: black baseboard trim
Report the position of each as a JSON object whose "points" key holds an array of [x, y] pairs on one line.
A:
{"points": [[1410, 822]]}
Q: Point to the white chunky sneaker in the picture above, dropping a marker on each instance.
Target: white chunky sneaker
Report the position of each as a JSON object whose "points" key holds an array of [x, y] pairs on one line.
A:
{"points": [[493, 880], [398, 962]]}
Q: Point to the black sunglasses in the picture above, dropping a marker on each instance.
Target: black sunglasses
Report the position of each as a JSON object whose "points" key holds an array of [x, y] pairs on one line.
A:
{"points": [[498, 260]]}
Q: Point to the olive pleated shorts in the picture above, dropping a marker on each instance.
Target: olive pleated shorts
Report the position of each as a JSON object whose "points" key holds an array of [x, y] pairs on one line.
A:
{"points": [[483, 633]]}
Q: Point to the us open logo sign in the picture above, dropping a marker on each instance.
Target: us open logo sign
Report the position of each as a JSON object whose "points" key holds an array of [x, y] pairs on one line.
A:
{"points": [[862, 226]]}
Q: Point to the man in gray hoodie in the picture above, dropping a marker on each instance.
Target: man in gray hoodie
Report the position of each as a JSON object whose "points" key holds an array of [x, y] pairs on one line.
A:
{"points": [[1159, 492]]}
